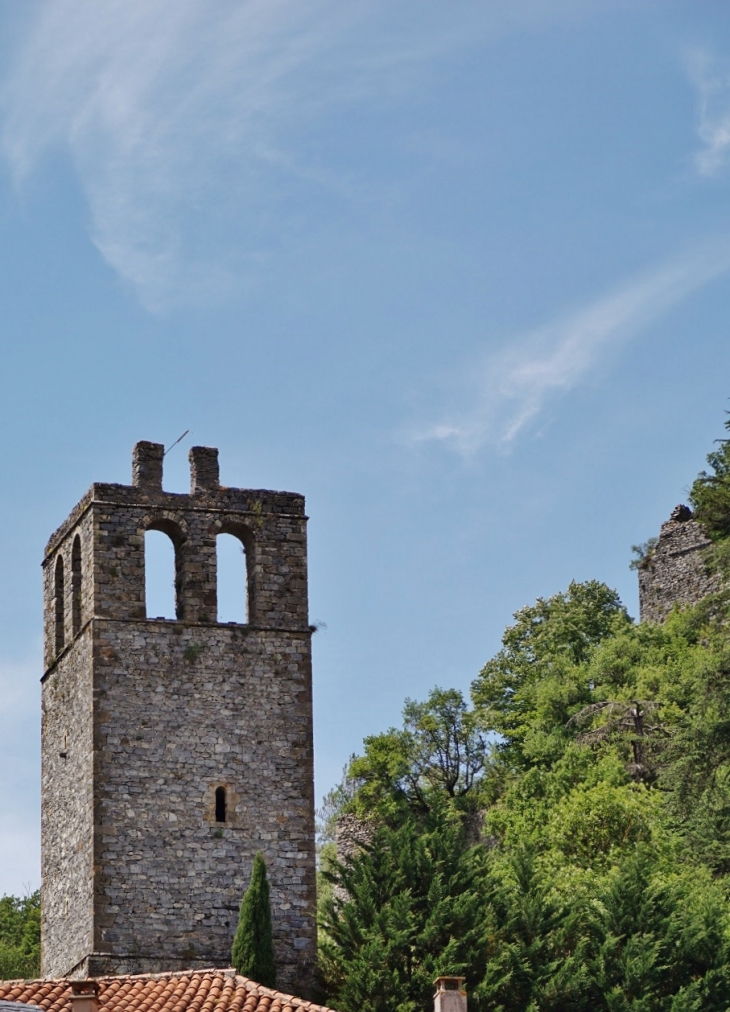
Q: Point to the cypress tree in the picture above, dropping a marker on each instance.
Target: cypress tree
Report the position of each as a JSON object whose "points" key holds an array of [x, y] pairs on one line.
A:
{"points": [[410, 907], [253, 947]]}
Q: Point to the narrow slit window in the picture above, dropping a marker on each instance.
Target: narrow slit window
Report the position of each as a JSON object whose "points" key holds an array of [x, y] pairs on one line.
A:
{"points": [[232, 579], [220, 804], [76, 586], [59, 605]]}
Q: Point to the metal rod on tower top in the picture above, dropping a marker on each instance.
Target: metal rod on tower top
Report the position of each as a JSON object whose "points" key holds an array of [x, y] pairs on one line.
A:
{"points": [[176, 442]]}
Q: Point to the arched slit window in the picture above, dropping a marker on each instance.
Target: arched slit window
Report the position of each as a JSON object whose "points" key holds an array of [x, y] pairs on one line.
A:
{"points": [[232, 568], [220, 804], [59, 605], [160, 575], [76, 585]]}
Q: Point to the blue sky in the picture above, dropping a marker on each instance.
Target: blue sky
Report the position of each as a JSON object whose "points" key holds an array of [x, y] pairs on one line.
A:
{"points": [[460, 273]]}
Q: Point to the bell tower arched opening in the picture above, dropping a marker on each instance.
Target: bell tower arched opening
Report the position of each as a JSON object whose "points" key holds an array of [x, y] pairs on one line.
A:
{"points": [[160, 575], [232, 577]]}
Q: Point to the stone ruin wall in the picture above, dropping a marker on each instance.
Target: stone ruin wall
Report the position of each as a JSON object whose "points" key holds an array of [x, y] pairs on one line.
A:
{"points": [[675, 571], [351, 833]]}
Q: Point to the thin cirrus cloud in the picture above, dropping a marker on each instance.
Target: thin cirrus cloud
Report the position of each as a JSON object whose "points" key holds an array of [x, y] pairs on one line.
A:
{"points": [[166, 109], [712, 81], [184, 119], [519, 382]]}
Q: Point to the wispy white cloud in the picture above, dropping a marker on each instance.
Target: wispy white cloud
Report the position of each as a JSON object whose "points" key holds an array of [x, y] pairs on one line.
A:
{"points": [[516, 384], [712, 81], [165, 107], [182, 117]]}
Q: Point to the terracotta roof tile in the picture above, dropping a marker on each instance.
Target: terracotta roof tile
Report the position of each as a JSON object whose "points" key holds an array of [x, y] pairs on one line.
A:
{"points": [[183, 991]]}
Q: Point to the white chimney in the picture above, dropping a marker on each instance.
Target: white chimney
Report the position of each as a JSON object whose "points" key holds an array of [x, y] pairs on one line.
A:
{"points": [[85, 995], [450, 995]]}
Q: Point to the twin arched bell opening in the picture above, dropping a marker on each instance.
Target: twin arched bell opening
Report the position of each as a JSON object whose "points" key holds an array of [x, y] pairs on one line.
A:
{"points": [[164, 572]]}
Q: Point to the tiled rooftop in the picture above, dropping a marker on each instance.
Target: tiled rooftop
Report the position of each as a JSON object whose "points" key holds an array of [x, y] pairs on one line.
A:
{"points": [[186, 991]]}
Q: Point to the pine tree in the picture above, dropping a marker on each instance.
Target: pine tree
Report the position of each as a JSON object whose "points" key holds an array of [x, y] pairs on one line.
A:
{"points": [[408, 908], [253, 947]]}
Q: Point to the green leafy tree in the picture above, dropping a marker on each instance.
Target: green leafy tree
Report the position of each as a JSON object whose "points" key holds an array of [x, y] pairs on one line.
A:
{"points": [[535, 673], [710, 494], [627, 718], [696, 772], [253, 946], [602, 800], [20, 937], [441, 752], [643, 553]]}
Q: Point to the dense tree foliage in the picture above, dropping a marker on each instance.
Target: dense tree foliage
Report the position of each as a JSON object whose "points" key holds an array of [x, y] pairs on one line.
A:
{"points": [[414, 911], [565, 841], [529, 690], [20, 937], [441, 751], [710, 495]]}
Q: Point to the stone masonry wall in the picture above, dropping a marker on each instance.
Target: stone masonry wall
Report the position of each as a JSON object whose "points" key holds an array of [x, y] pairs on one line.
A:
{"points": [[67, 803], [138, 875], [675, 571], [181, 711]]}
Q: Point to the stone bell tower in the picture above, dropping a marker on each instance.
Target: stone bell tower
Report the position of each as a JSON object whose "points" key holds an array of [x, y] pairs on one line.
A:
{"points": [[174, 750]]}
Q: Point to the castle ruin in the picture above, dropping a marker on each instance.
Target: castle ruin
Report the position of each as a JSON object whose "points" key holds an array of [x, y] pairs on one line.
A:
{"points": [[675, 571], [174, 750]]}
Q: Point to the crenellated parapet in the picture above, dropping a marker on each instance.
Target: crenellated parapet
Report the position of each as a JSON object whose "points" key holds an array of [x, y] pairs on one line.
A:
{"points": [[94, 563]]}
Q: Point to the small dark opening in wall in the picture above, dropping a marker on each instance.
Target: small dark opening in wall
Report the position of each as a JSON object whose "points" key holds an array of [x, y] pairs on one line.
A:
{"points": [[220, 804]]}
